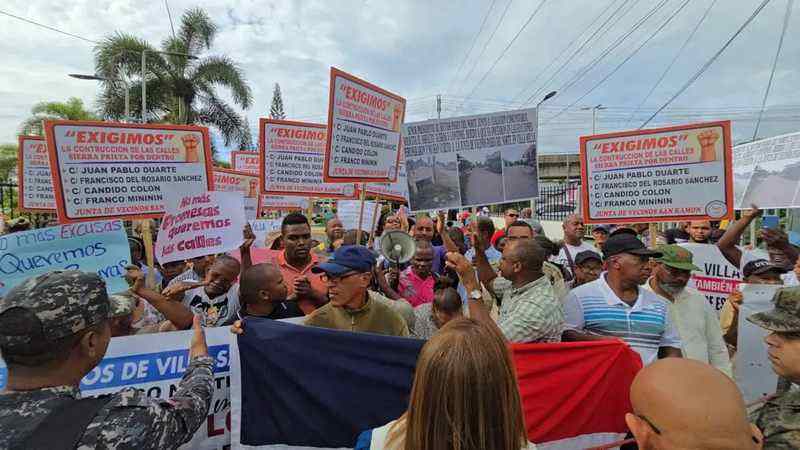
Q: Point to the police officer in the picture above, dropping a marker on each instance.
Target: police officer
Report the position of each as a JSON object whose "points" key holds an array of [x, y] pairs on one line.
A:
{"points": [[54, 329], [779, 417]]}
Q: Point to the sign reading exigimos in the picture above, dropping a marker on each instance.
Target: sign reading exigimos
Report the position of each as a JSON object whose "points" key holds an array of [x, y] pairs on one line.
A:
{"points": [[123, 170]]}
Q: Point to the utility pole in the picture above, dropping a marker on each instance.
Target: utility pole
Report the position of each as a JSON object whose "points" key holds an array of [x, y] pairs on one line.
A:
{"points": [[438, 106], [594, 115]]}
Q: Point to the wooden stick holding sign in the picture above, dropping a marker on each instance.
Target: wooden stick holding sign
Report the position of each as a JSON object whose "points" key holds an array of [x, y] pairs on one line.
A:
{"points": [[375, 215], [653, 230], [147, 238], [363, 196]]}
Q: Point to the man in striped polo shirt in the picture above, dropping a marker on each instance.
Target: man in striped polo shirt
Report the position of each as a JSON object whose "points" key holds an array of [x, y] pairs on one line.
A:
{"points": [[614, 306]]}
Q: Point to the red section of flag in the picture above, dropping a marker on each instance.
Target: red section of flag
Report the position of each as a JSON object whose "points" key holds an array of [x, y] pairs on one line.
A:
{"points": [[572, 389]]}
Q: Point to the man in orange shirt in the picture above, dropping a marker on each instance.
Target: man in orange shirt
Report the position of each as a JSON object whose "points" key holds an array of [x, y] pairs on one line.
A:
{"points": [[296, 261]]}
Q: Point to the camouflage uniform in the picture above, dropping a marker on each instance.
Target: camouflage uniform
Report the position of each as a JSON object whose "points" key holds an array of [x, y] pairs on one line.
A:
{"points": [[66, 302], [779, 417]]}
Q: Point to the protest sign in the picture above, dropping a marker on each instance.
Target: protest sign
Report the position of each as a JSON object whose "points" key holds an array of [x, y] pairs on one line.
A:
{"points": [[100, 247], [262, 228], [124, 170], [200, 224], [35, 181], [154, 364], [226, 180], [293, 157], [348, 211], [281, 202], [397, 191], [754, 373], [364, 121], [717, 279], [471, 160], [247, 162], [767, 172], [658, 175]]}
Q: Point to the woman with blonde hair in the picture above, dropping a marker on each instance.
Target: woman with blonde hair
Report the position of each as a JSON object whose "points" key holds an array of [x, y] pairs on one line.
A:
{"points": [[464, 397]]}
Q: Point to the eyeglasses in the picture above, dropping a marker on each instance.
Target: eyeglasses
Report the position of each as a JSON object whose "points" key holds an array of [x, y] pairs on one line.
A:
{"points": [[337, 279]]}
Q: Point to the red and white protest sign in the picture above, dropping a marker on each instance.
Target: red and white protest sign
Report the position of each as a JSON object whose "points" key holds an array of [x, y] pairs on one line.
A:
{"points": [[242, 161], [282, 203], [717, 278], [200, 224], [35, 180], [658, 175], [364, 123], [104, 170], [397, 191], [293, 154], [226, 180]]}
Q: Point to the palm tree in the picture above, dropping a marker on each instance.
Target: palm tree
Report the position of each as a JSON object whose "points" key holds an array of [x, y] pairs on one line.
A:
{"points": [[179, 89], [72, 109]]}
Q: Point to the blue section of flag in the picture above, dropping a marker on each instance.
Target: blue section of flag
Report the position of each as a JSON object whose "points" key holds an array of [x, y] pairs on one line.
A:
{"points": [[318, 387]]}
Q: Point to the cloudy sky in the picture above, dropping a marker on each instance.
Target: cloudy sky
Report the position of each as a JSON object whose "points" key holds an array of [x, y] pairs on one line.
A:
{"points": [[460, 50]]}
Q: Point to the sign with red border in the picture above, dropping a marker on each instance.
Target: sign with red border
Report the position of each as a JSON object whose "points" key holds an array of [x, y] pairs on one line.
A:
{"points": [[281, 202], [292, 158], [243, 161], [107, 170], [364, 131], [35, 181], [659, 175]]}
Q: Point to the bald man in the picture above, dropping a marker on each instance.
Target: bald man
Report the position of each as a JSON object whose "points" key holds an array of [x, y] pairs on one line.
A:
{"points": [[684, 404], [424, 230], [262, 293]]}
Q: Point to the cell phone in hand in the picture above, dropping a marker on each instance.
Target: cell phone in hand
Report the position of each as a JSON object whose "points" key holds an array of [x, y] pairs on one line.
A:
{"points": [[771, 222]]}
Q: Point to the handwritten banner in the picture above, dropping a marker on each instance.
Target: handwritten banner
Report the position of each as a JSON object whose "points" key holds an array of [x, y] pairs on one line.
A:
{"points": [[293, 157], [123, 170], [348, 211], [154, 364], [663, 174], [364, 121], [718, 277], [35, 181], [100, 247], [262, 228], [247, 162], [198, 225]]}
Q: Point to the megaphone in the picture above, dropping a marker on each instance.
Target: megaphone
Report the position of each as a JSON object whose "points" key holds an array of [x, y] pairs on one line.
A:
{"points": [[398, 246]]}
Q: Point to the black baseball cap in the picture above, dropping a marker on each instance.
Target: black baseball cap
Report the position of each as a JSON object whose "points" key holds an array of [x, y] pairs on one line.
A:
{"points": [[587, 255], [759, 266], [627, 243]]}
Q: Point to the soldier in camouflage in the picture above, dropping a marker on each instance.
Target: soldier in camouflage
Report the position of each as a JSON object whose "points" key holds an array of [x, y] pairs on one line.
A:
{"points": [[54, 329], [779, 417]]}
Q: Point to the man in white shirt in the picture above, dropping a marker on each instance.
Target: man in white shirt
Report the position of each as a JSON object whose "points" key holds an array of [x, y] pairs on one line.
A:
{"points": [[614, 306], [573, 243], [697, 324]]}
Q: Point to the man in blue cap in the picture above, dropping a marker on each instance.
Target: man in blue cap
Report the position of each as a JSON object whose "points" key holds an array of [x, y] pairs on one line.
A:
{"points": [[352, 306]]}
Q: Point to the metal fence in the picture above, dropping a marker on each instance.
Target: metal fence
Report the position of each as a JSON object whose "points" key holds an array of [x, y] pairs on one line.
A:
{"points": [[9, 206], [557, 201]]}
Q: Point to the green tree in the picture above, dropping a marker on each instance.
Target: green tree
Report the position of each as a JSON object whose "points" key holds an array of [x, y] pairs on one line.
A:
{"points": [[179, 89], [276, 109], [8, 160], [72, 109]]}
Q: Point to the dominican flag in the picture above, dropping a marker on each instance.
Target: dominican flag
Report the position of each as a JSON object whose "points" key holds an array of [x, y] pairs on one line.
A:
{"points": [[295, 387]]}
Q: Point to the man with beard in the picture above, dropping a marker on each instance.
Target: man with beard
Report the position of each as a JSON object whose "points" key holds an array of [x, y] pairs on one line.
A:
{"points": [[697, 324], [700, 231]]}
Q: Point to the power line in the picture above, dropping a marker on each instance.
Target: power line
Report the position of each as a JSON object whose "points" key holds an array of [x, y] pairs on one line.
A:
{"points": [[709, 62], [628, 58], [580, 49], [674, 59], [774, 63], [169, 14], [486, 45], [505, 50], [471, 47], [585, 29], [48, 27]]}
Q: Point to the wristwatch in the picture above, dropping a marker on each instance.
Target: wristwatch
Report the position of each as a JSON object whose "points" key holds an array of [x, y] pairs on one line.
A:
{"points": [[476, 294]]}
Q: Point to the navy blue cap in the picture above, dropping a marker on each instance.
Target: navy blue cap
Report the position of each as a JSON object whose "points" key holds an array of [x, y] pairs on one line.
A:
{"points": [[347, 258]]}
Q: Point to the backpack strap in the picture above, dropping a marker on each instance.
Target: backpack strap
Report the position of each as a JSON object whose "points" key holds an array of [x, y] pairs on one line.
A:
{"points": [[570, 262], [63, 428]]}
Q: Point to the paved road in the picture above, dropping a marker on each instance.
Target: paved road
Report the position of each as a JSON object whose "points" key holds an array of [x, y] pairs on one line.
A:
{"points": [[482, 187], [520, 182]]}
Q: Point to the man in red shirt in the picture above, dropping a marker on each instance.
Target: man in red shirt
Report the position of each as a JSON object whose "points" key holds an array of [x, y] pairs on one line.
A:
{"points": [[296, 261]]}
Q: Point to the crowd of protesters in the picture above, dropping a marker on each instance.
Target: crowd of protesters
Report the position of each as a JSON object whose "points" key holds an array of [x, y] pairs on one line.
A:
{"points": [[469, 288]]}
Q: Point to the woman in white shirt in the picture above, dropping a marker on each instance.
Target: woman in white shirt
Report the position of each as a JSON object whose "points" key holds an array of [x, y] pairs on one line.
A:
{"points": [[465, 396]]}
